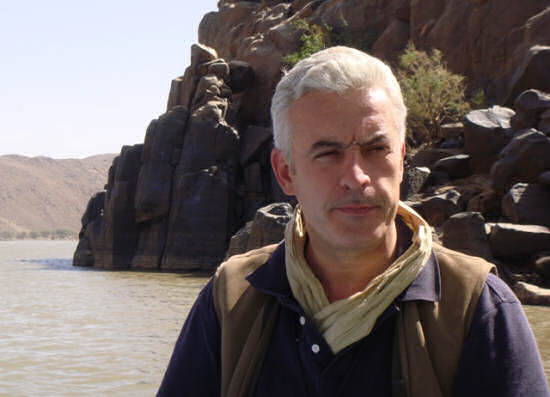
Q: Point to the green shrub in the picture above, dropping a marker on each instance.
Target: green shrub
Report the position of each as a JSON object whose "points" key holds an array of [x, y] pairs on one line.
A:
{"points": [[477, 99], [433, 94], [313, 39]]}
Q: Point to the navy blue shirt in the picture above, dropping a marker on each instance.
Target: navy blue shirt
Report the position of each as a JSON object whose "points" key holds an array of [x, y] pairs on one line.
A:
{"points": [[499, 356]]}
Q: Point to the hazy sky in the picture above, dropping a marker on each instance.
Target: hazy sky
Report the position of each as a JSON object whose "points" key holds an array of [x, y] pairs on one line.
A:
{"points": [[85, 77]]}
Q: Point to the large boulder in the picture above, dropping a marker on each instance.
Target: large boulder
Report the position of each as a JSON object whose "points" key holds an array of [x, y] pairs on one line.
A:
{"points": [[532, 72], [413, 180], [452, 130], [522, 160], [437, 209], [527, 204], [455, 166], [530, 294], [486, 133], [241, 76], [267, 227], [509, 240], [529, 106], [182, 89], [465, 232], [542, 264], [429, 156]]}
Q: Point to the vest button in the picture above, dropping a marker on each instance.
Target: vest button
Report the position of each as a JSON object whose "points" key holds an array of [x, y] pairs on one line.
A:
{"points": [[315, 348], [302, 320]]}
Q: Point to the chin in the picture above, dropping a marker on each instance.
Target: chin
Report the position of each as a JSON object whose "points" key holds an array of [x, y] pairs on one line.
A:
{"points": [[361, 238]]}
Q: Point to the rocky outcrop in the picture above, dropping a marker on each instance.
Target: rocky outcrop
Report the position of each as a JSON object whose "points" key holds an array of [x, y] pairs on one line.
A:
{"points": [[174, 202], [203, 171], [499, 45]]}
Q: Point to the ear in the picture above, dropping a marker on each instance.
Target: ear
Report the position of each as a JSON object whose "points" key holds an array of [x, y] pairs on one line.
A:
{"points": [[402, 167], [282, 172]]}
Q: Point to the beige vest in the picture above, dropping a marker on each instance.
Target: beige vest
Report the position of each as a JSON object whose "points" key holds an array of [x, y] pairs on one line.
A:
{"points": [[430, 334]]}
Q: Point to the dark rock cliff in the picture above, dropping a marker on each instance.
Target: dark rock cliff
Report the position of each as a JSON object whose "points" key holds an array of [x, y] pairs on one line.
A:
{"points": [[174, 202]]}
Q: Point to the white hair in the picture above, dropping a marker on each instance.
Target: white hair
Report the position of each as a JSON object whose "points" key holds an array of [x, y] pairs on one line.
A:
{"points": [[335, 69]]}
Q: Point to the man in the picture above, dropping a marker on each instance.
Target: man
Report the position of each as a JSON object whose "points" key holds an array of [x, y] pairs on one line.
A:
{"points": [[356, 300]]}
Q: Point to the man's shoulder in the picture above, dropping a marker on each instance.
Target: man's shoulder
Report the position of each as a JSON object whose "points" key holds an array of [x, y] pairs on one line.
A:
{"points": [[449, 256], [230, 282], [458, 265], [463, 279], [246, 262]]}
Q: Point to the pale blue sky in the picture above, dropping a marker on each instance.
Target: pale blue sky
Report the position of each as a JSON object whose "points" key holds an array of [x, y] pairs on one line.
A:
{"points": [[79, 78]]}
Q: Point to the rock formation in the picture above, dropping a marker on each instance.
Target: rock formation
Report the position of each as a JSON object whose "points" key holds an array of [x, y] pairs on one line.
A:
{"points": [[174, 202], [203, 171]]}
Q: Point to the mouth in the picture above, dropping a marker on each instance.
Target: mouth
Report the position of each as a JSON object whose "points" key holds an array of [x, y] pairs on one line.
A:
{"points": [[355, 209]]}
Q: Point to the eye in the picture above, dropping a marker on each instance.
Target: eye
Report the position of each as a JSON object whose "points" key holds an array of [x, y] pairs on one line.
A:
{"points": [[328, 155], [378, 149]]}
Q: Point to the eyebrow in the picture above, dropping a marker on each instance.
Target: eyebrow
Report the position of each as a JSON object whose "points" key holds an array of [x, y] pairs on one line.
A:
{"points": [[330, 144]]}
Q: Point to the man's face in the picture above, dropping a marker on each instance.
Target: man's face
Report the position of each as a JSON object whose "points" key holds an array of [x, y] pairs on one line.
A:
{"points": [[347, 165]]}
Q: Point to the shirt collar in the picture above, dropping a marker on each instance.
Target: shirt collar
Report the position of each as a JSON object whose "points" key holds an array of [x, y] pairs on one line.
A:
{"points": [[271, 279]]}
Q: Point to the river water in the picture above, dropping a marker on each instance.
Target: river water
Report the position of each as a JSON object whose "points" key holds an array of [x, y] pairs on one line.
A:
{"points": [[69, 331]]}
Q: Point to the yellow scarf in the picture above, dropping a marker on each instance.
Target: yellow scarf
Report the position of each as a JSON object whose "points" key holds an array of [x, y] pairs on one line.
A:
{"points": [[346, 321]]}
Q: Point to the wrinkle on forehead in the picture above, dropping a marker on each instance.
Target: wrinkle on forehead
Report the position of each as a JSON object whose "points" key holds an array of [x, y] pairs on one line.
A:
{"points": [[372, 138], [369, 107]]}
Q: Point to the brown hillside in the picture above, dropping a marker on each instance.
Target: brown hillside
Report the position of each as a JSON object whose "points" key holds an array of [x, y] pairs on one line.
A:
{"points": [[45, 194]]}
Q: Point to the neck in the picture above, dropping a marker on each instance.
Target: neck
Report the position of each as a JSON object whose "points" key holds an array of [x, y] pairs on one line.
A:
{"points": [[345, 272]]}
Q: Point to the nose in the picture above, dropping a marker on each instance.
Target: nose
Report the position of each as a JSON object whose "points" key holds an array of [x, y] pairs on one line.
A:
{"points": [[354, 174]]}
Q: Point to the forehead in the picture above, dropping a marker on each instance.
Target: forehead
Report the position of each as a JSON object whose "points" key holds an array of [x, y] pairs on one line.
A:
{"points": [[354, 114]]}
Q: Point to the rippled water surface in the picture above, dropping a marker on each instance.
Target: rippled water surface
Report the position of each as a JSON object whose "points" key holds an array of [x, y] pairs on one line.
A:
{"points": [[69, 331], [72, 331]]}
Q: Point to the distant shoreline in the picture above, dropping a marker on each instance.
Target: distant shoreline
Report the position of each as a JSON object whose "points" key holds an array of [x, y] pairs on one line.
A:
{"points": [[59, 234]]}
